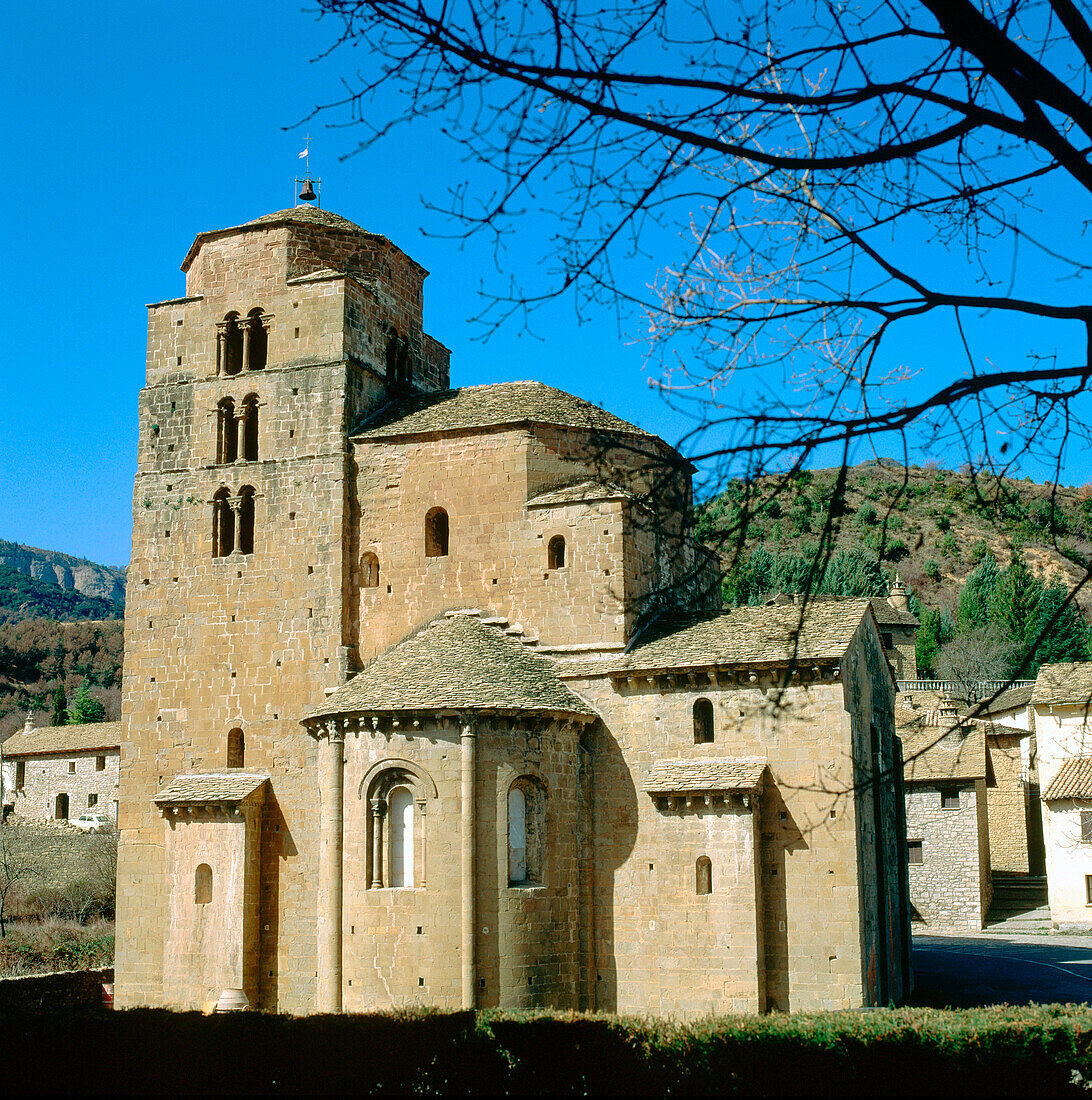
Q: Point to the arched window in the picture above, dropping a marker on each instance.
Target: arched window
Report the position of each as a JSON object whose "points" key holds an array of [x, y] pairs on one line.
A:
{"points": [[255, 354], [231, 344], [369, 571], [703, 875], [223, 525], [202, 884], [250, 428], [227, 432], [436, 533], [246, 520], [235, 748], [703, 722], [399, 368], [555, 552], [400, 809], [526, 832]]}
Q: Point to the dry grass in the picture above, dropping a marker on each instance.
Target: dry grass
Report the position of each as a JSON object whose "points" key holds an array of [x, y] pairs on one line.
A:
{"points": [[37, 947]]}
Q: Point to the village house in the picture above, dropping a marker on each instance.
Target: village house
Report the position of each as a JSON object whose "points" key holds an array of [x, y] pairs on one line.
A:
{"points": [[54, 773], [429, 699]]}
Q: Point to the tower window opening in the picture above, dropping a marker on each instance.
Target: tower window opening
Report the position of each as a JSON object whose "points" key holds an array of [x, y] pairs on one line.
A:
{"points": [[703, 722], [202, 884], [436, 533], [703, 875], [369, 571], [401, 837], [250, 428], [555, 552], [223, 525], [235, 748], [229, 345], [227, 432], [246, 520], [399, 368]]}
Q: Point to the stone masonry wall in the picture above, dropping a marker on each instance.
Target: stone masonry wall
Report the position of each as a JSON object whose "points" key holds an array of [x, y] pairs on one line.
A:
{"points": [[946, 887], [1007, 804], [76, 774]]}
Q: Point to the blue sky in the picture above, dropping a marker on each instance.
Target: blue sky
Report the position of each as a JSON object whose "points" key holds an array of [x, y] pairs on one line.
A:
{"points": [[129, 128]]}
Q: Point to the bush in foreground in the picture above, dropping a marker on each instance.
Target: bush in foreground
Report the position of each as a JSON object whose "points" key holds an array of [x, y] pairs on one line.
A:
{"points": [[995, 1051]]}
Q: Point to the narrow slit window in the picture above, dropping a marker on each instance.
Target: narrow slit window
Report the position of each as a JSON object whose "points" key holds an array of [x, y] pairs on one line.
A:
{"points": [[235, 748], [369, 571], [246, 520], [703, 875], [202, 884], [703, 722], [555, 552], [436, 533], [401, 829]]}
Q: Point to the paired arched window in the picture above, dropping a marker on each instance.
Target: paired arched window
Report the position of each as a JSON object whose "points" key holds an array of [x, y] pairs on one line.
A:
{"points": [[202, 884], [703, 875], [703, 722], [555, 552], [237, 427], [250, 428], [242, 343], [396, 836], [526, 832], [369, 571], [436, 532], [233, 522], [235, 748]]}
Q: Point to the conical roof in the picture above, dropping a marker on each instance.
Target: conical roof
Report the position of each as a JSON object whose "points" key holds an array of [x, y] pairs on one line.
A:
{"points": [[456, 662]]}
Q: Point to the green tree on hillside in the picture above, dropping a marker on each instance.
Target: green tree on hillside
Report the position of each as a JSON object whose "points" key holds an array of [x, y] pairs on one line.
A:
{"points": [[84, 708], [60, 707], [1067, 640], [977, 599], [936, 630], [1016, 599]]}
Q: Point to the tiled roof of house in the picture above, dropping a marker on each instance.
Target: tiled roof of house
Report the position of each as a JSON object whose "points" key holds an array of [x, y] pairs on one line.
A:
{"points": [[886, 615], [490, 406], [746, 635], [1011, 699], [580, 493], [210, 787], [934, 753], [1064, 683], [456, 662], [55, 740], [1074, 780], [691, 776]]}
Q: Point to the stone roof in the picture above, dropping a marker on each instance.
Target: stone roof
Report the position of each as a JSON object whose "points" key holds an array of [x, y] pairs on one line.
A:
{"points": [[934, 754], [1011, 699], [746, 635], [1003, 729], [886, 615], [492, 406], [580, 493], [55, 740], [692, 776], [1074, 780], [457, 662], [203, 787], [309, 215], [1064, 683]]}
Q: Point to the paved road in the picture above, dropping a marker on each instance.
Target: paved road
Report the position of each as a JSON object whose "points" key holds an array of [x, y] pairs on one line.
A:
{"points": [[963, 971]]}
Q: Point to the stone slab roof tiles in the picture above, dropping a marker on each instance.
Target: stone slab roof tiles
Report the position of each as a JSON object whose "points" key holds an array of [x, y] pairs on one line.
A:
{"points": [[309, 215], [1011, 699], [55, 740], [933, 754], [886, 615], [746, 635], [1064, 683], [492, 406], [205, 787], [456, 663], [581, 493], [1074, 780], [693, 776]]}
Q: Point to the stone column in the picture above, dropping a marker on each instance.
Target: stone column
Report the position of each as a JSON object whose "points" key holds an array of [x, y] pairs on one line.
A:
{"points": [[221, 347], [331, 809], [377, 844], [246, 325], [467, 827]]}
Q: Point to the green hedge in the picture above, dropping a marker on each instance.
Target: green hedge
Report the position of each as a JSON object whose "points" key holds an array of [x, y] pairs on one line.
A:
{"points": [[995, 1051]]}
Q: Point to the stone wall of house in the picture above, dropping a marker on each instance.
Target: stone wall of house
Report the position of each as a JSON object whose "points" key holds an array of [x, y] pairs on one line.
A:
{"points": [[88, 779], [1007, 803], [946, 888]]}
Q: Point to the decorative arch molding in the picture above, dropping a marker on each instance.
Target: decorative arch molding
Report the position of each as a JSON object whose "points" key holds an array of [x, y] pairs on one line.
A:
{"points": [[394, 763]]}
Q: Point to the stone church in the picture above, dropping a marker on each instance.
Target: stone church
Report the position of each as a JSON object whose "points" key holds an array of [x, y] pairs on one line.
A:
{"points": [[429, 698]]}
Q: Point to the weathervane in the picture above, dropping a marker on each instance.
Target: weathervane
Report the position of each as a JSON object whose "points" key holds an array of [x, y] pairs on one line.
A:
{"points": [[308, 189]]}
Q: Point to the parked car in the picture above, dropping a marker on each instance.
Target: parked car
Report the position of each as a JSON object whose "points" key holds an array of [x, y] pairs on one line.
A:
{"points": [[92, 823]]}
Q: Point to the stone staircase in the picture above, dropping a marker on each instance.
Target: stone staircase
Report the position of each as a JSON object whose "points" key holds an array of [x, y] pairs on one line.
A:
{"points": [[1019, 904]]}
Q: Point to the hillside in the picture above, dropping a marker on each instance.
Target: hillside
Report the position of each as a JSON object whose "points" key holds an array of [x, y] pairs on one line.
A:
{"points": [[64, 573], [932, 525]]}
